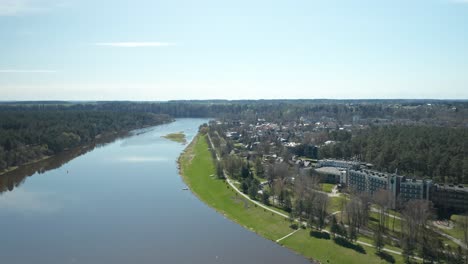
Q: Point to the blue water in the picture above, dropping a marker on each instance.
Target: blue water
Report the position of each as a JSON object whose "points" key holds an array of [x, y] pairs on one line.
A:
{"points": [[123, 203]]}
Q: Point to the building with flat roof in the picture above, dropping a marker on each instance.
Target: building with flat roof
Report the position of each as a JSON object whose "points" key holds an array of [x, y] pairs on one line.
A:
{"points": [[400, 187], [360, 179], [450, 198], [337, 163]]}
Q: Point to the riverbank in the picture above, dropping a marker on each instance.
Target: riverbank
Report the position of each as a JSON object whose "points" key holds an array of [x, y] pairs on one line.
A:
{"points": [[198, 170], [99, 139], [10, 169], [29, 136]]}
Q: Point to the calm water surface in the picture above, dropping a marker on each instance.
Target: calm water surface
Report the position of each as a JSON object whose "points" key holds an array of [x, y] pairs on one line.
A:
{"points": [[121, 203]]}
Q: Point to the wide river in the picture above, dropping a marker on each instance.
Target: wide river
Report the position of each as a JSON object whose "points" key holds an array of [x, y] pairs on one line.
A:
{"points": [[121, 202]]}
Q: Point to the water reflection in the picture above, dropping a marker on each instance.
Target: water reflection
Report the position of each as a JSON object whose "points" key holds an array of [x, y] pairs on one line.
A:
{"points": [[121, 204], [137, 159], [11, 180], [25, 202]]}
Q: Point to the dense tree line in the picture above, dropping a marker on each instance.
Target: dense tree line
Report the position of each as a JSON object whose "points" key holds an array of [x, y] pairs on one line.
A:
{"points": [[435, 152], [31, 135], [428, 149], [431, 112]]}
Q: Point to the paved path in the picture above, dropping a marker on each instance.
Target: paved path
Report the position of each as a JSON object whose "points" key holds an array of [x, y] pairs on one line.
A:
{"points": [[230, 182], [334, 192], [434, 228], [375, 210], [454, 240], [334, 213], [287, 235]]}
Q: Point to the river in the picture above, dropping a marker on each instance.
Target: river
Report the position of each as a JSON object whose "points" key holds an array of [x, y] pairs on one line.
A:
{"points": [[121, 202]]}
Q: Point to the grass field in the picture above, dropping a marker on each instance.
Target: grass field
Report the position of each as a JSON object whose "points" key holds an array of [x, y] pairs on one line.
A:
{"points": [[197, 166], [327, 187], [335, 204], [373, 223], [196, 171], [177, 137], [327, 251], [457, 230]]}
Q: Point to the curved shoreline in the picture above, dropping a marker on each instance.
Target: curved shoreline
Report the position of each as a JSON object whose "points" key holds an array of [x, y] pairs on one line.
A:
{"points": [[186, 158], [196, 167], [14, 176]]}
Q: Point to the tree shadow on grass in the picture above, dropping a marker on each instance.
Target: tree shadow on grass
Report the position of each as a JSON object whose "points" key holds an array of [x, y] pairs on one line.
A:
{"points": [[319, 235], [385, 256], [345, 243]]}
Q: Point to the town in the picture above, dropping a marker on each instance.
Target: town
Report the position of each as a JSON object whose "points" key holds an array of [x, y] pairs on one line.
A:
{"points": [[290, 165]]}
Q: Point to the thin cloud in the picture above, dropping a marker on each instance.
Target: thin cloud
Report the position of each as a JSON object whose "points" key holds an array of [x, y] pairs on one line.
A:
{"points": [[27, 71], [134, 44], [24, 7]]}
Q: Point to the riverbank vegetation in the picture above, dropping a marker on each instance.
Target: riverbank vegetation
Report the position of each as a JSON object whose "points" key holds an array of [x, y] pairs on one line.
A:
{"points": [[198, 170], [26, 136]]}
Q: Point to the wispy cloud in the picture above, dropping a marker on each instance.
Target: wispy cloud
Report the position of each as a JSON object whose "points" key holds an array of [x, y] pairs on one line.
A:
{"points": [[27, 71], [22, 7], [135, 44]]}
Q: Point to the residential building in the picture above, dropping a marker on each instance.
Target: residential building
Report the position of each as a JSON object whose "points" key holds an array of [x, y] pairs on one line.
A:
{"points": [[450, 198]]}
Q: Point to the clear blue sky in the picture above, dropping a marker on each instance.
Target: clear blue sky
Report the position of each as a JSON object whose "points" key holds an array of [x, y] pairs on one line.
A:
{"points": [[201, 49]]}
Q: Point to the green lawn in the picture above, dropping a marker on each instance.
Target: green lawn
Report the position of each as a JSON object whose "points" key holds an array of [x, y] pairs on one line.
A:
{"points": [[457, 230], [177, 137], [196, 167], [373, 223], [196, 171], [335, 204], [327, 187], [327, 251]]}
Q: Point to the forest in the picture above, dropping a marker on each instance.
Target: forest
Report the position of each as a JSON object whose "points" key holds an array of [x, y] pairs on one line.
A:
{"points": [[424, 138], [26, 136], [428, 112], [439, 153]]}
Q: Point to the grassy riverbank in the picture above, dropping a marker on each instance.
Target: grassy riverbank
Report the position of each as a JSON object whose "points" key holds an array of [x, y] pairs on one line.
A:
{"points": [[197, 170]]}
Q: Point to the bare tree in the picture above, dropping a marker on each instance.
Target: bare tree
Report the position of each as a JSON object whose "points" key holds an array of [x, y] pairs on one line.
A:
{"points": [[364, 208], [320, 205], [379, 241], [232, 164], [277, 171], [277, 174], [415, 215], [464, 225], [383, 199], [357, 212], [305, 185]]}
